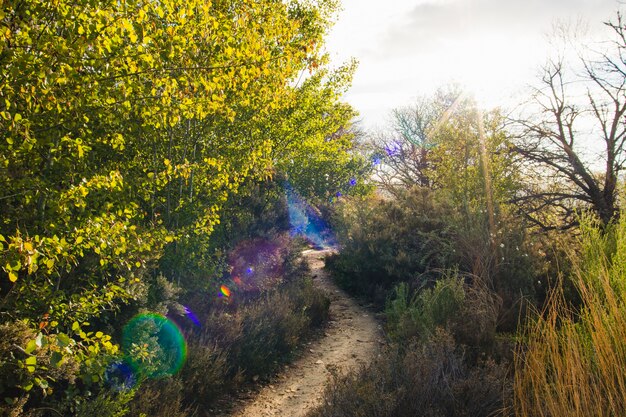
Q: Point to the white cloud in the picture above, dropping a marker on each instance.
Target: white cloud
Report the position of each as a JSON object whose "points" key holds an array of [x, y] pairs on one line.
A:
{"points": [[409, 48]]}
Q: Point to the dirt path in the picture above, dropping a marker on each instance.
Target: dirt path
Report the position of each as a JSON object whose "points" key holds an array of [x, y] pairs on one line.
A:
{"points": [[352, 338]]}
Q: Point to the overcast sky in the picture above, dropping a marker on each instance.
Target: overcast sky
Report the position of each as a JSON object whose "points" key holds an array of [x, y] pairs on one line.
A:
{"points": [[408, 48]]}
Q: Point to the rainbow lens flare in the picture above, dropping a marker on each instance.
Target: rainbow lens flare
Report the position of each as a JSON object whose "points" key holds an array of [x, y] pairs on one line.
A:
{"points": [[225, 290], [154, 346]]}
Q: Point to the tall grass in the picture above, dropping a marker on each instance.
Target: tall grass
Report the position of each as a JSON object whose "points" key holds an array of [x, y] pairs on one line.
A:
{"points": [[573, 363]]}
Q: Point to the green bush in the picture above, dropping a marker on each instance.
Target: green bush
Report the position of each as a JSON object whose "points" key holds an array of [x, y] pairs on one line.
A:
{"points": [[468, 312], [387, 241], [417, 315], [429, 379], [104, 404]]}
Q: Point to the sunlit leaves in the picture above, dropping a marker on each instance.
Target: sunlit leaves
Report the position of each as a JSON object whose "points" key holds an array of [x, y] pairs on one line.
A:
{"points": [[125, 126]]}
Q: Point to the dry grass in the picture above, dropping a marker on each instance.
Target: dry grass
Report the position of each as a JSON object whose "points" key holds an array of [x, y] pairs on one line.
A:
{"points": [[574, 362]]}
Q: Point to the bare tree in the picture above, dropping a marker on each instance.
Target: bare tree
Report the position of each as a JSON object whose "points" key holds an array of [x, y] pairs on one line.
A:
{"points": [[576, 116], [405, 148]]}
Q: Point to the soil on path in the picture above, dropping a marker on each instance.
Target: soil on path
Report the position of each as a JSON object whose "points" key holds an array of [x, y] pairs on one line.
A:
{"points": [[352, 338]]}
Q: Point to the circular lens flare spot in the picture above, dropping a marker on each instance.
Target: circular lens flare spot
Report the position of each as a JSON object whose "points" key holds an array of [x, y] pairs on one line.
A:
{"points": [[154, 346]]}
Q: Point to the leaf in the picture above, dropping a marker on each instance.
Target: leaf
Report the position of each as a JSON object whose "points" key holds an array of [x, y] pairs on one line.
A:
{"points": [[75, 326], [40, 340], [43, 383], [31, 363], [31, 346], [63, 340], [12, 276], [56, 358]]}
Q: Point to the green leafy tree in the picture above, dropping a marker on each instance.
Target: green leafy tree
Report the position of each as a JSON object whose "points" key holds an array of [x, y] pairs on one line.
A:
{"points": [[125, 127]]}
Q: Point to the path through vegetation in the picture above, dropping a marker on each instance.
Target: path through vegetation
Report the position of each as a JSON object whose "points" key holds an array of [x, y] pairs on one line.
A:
{"points": [[352, 338]]}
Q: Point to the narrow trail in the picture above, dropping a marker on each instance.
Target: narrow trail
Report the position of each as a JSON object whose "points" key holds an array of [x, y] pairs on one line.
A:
{"points": [[352, 338]]}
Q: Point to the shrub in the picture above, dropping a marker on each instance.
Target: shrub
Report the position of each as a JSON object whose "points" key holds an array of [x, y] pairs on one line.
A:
{"points": [[273, 326], [418, 315], [270, 329], [387, 241], [105, 404], [430, 379], [206, 374], [233, 346], [474, 324], [418, 234], [159, 398], [311, 301], [468, 312]]}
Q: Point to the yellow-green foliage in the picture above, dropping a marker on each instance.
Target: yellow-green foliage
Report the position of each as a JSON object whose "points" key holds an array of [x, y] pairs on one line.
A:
{"points": [[572, 363], [125, 127], [419, 314]]}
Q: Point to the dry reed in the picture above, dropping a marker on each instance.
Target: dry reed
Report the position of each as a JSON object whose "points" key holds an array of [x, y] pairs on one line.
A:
{"points": [[573, 362]]}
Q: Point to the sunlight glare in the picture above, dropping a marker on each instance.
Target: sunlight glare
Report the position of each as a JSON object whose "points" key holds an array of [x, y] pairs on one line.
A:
{"points": [[484, 68]]}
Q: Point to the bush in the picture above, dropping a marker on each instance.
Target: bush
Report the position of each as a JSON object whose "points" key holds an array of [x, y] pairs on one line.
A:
{"points": [[233, 346], [270, 328], [418, 234], [418, 315], [105, 404], [206, 374], [159, 398], [273, 326], [430, 379], [387, 241], [468, 312]]}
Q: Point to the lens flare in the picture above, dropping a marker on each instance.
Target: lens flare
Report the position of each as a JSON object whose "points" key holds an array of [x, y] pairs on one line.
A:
{"points": [[393, 148], [192, 316], [120, 376], [257, 264], [154, 346], [225, 290], [306, 221]]}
